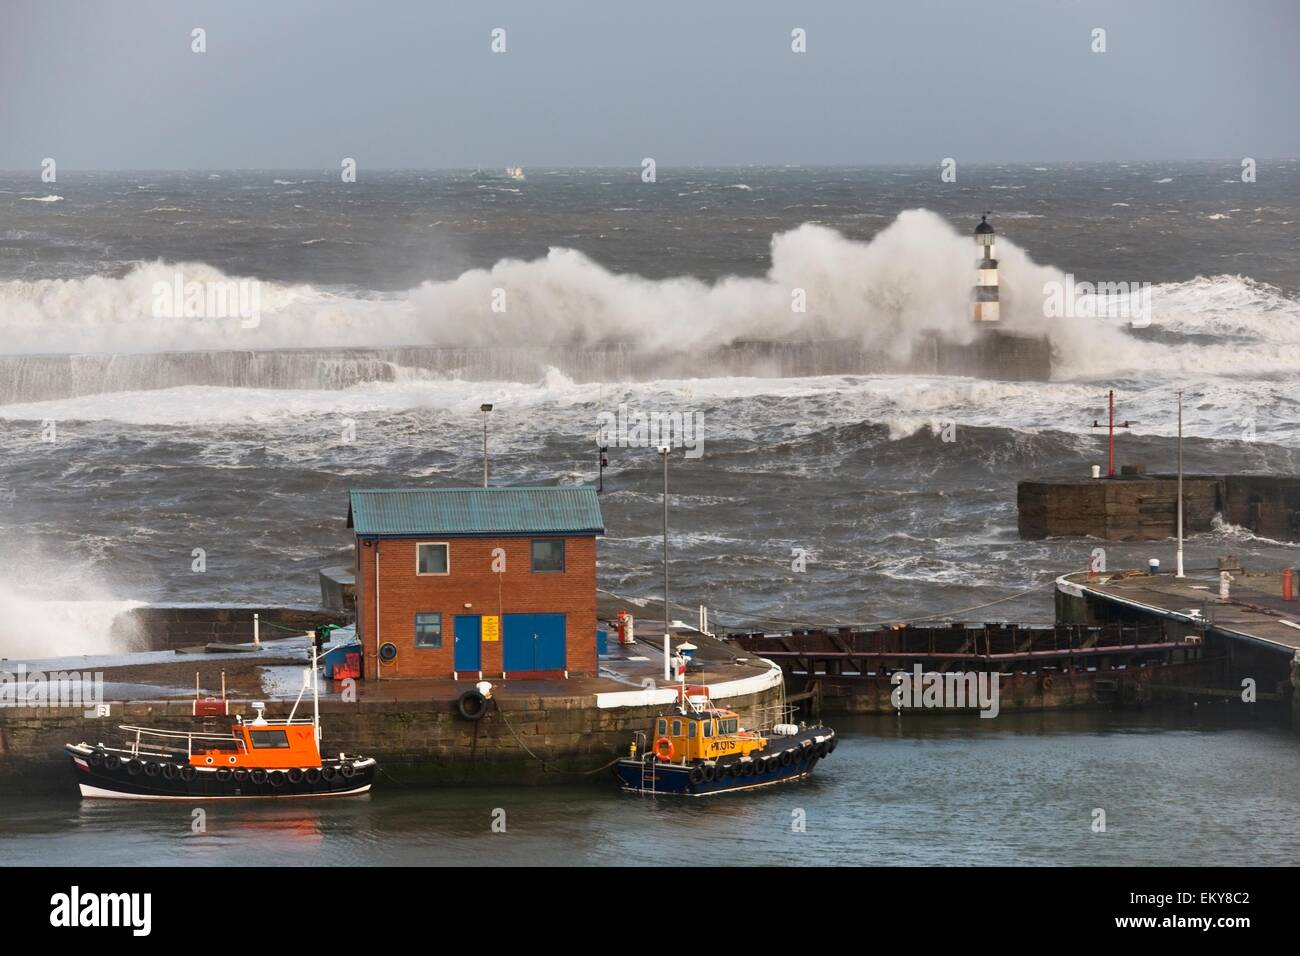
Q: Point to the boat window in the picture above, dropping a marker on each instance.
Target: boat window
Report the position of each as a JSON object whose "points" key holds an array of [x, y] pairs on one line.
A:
{"points": [[708, 728], [663, 727], [690, 730], [269, 738], [728, 726], [677, 728]]}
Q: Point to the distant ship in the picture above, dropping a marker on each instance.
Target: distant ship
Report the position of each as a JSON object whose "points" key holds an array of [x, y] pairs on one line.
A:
{"points": [[512, 173]]}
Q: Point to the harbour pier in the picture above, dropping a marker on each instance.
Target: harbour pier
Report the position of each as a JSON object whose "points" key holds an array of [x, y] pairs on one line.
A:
{"points": [[532, 730], [1122, 639], [1252, 631]]}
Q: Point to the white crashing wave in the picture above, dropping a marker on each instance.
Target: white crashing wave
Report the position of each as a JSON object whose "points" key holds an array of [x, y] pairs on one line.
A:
{"points": [[914, 278]]}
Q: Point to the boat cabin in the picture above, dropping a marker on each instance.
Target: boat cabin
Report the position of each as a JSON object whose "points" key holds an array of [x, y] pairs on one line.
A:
{"points": [[266, 745], [703, 735]]}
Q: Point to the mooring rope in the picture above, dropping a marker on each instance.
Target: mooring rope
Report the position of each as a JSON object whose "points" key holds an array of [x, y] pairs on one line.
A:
{"points": [[546, 767]]}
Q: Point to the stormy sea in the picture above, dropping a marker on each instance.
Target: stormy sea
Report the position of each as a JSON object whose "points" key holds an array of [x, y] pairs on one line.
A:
{"points": [[130, 439], [135, 436]]}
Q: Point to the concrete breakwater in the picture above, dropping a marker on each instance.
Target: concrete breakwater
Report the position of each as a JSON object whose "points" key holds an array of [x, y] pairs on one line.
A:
{"points": [[1139, 507], [32, 378]]}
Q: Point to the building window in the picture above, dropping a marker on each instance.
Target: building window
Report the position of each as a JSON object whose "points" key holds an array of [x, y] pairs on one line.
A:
{"points": [[548, 555], [432, 558], [428, 629]]}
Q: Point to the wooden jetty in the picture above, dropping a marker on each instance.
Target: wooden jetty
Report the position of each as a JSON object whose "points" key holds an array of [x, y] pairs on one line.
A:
{"points": [[847, 670]]}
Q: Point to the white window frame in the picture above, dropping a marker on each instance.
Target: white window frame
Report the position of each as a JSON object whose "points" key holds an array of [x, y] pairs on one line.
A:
{"points": [[432, 574]]}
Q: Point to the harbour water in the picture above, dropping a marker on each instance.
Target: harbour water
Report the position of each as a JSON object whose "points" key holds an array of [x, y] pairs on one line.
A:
{"points": [[1177, 789]]}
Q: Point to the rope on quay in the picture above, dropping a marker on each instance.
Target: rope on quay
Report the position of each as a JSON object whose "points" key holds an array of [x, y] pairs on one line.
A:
{"points": [[546, 767]]}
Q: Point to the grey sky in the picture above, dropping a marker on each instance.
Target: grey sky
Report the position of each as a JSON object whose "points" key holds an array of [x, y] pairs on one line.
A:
{"points": [[404, 83]]}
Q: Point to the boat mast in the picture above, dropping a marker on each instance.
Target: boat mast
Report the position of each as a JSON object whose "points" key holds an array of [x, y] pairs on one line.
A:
{"points": [[315, 697]]}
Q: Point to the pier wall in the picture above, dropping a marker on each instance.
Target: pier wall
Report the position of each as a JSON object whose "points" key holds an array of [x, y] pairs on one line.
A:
{"points": [[160, 628], [1017, 692], [31, 378], [1145, 507], [416, 742], [1074, 664], [1273, 669]]}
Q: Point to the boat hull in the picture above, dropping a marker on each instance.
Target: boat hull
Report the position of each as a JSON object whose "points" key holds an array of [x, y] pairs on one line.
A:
{"points": [[142, 782], [731, 775]]}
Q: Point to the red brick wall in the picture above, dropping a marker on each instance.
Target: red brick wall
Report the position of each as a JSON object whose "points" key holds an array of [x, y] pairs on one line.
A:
{"points": [[403, 593]]}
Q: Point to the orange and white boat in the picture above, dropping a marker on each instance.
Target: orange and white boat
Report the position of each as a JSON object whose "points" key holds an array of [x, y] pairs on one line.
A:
{"points": [[255, 759]]}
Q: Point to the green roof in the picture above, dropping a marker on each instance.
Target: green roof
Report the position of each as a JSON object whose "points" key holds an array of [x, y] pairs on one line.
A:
{"points": [[569, 510]]}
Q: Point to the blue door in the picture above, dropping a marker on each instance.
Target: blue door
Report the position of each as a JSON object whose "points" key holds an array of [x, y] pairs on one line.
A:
{"points": [[467, 631], [534, 642]]}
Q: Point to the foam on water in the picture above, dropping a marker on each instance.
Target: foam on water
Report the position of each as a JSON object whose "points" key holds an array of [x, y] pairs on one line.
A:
{"points": [[743, 408]]}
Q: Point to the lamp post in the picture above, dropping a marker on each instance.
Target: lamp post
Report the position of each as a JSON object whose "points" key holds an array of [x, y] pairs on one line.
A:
{"points": [[1179, 560], [485, 408], [664, 452], [602, 463]]}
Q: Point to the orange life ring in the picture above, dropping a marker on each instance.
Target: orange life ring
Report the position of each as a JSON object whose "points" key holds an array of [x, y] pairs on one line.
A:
{"points": [[659, 749]]}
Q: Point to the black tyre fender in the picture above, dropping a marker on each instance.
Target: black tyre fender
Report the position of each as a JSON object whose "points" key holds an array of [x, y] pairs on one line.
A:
{"points": [[312, 775], [710, 773], [329, 773], [786, 758], [134, 766], [96, 758], [188, 773], [240, 775], [170, 771], [295, 775], [347, 771], [152, 768], [472, 705], [258, 776], [223, 774], [276, 777], [696, 775], [112, 762]]}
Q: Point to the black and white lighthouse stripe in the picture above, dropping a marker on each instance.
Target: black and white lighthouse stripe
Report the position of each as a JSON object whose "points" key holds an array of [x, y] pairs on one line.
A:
{"points": [[986, 286]]}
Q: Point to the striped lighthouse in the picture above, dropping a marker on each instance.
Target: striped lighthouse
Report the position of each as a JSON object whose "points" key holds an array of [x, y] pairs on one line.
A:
{"points": [[986, 287]]}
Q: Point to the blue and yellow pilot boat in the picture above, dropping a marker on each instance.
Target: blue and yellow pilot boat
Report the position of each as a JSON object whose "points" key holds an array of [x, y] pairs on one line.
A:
{"points": [[704, 751]]}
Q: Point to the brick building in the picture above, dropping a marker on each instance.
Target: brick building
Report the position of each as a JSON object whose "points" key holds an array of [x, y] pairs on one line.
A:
{"points": [[497, 582]]}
